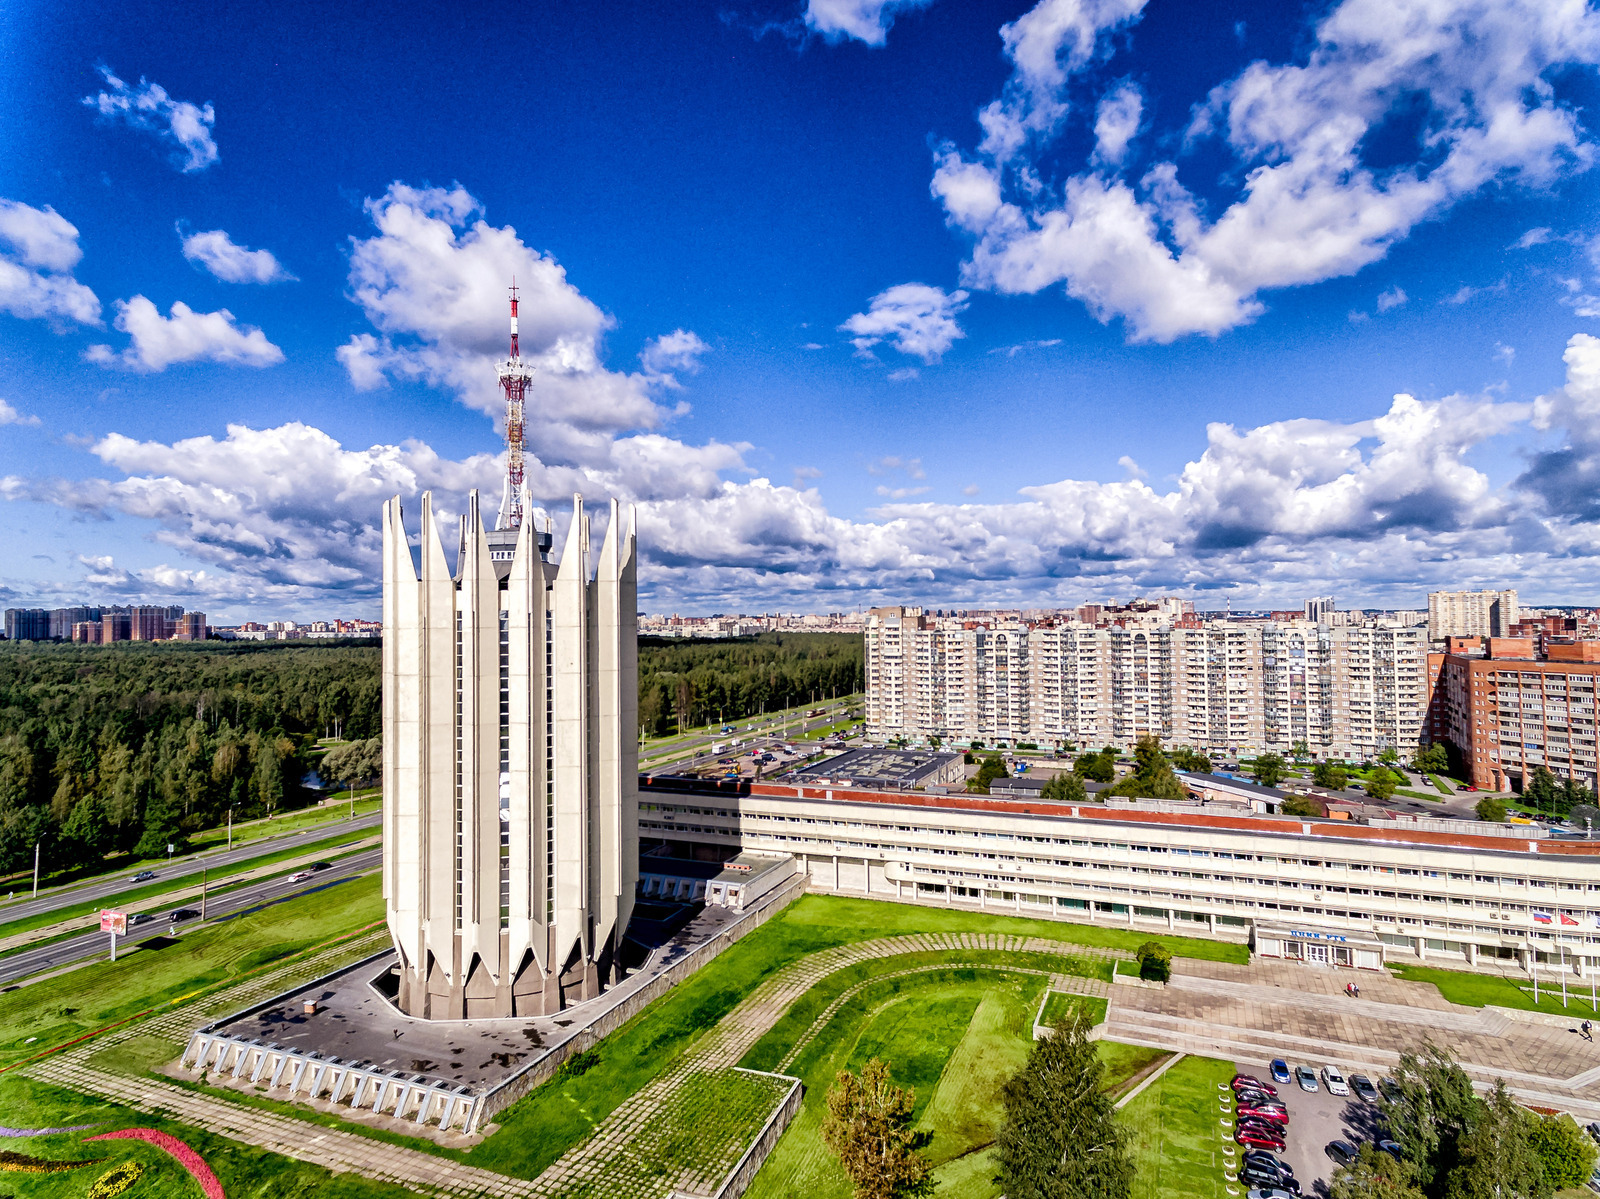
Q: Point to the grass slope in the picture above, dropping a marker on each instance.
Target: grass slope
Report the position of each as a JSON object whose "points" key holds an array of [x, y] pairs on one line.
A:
{"points": [[1060, 1009], [559, 1114], [1479, 990], [1177, 1141], [69, 1005]]}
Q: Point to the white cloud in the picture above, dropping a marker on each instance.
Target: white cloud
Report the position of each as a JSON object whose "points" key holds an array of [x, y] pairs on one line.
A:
{"points": [[679, 350], [970, 489], [1135, 471], [893, 462], [1392, 298], [1116, 121], [184, 336], [1013, 351], [1504, 353], [150, 108], [38, 249], [1309, 208], [433, 281], [916, 319], [866, 21], [1533, 237], [217, 252], [904, 374], [10, 416]]}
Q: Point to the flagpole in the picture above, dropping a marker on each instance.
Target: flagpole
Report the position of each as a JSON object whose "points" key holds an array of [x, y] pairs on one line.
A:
{"points": [[1534, 953], [1563, 947]]}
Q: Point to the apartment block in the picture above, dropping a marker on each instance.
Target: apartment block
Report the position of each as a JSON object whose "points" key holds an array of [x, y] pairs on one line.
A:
{"points": [[1509, 710], [1471, 614], [1228, 686]]}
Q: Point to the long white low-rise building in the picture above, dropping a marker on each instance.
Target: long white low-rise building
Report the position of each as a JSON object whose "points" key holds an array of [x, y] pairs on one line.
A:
{"points": [[1332, 891]]}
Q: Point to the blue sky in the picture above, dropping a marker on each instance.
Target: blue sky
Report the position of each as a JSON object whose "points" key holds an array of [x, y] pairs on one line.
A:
{"points": [[857, 301]]}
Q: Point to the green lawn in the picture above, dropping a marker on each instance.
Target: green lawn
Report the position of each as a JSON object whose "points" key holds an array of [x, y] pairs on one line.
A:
{"points": [[559, 1114], [1479, 990], [245, 1172], [1060, 1009], [58, 1009], [1174, 1130], [1126, 1064]]}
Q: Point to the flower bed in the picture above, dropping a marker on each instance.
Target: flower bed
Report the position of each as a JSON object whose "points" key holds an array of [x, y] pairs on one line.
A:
{"points": [[116, 1180], [21, 1163], [186, 1157]]}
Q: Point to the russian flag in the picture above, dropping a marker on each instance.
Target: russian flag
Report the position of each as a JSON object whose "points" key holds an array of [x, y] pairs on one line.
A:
{"points": [[1542, 917]]}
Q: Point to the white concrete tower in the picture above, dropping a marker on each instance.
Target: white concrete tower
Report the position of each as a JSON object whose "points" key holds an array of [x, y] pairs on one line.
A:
{"points": [[510, 772]]}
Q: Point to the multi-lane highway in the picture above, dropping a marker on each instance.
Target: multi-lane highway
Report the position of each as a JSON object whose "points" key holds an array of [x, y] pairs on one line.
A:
{"points": [[783, 727], [93, 943], [103, 890]]}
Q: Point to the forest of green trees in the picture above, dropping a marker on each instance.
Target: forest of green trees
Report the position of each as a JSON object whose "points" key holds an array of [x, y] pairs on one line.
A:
{"points": [[692, 682], [132, 746]]}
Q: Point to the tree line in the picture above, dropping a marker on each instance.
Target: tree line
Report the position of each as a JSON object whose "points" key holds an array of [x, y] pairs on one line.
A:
{"points": [[133, 746], [683, 683]]}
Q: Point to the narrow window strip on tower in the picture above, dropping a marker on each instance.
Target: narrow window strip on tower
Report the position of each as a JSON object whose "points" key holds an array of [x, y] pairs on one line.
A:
{"points": [[460, 812], [549, 768], [505, 770]]}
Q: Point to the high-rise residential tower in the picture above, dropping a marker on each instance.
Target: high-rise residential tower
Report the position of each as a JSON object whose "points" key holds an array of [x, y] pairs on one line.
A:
{"points": [[510, 730]]}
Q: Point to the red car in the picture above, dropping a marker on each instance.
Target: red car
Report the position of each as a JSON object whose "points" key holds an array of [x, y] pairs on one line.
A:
{"points": [[1260, 1140], [1273, 1115], [1249, 1082]]}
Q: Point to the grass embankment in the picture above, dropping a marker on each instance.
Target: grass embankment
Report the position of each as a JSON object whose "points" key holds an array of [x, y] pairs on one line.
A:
{"points": [[559, 1114], [245, 1172], [1480, 990], [59, 1009], [1061, 1009], [1175, 1134], [185, 887]]}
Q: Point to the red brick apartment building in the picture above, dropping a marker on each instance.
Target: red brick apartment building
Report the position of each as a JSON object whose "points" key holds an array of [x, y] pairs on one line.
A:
{"points": [[1508, 708]]}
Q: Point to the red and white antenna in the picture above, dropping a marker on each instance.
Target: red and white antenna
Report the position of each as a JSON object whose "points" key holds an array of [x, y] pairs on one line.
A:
{"points": [[514, 377]]}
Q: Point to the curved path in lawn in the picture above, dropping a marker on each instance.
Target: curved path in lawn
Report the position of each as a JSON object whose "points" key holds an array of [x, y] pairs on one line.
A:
{"points": [[612, 1152]]}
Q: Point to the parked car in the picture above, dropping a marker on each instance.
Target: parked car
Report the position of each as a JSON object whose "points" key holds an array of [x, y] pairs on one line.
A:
{"points": [[1264, 1140], [1342, 1152], [1268, 1182], [1390, 1089], [1268, 1193], [1392, 1148], [1280, 1070], [183, 914], [144, 876], [1334, 1081], [1362, 1086], [1269, 1171], [1242, 1082], [1256, 1099], [1593, 1130], [1307, 1078], [1267, 1159]]}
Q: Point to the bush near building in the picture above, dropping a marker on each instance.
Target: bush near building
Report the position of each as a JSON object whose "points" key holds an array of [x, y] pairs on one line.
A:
{"points": [[1155, 961]]}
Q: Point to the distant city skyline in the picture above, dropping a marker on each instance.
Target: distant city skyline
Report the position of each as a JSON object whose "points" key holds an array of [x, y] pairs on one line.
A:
{"points": [[861, 303]]}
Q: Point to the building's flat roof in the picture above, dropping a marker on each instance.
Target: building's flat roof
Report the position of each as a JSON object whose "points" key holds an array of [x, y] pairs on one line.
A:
{"points": [[1294, 826], [875, 764], [1223, 782]]}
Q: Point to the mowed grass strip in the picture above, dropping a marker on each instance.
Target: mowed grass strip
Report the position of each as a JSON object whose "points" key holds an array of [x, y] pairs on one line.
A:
{"points": [[1480, 990], [80, 1001], [561, 1113], [1061, 1009], [1175, 1135], [245, 1172]]}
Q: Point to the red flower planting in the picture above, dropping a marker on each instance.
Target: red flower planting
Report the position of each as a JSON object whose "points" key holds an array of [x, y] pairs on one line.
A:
{"points": [[186, 1157]]}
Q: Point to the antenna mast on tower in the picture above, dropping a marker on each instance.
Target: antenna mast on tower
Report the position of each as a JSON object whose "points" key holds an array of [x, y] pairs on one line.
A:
{"points": [[514, 377]]}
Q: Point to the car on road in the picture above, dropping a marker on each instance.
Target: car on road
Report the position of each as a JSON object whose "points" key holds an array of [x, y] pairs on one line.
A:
{"points": [[321, 866], [1342, 1152], [139, 918], [299, 876], [1334, 1081], [1307, 1078], [145, 876], [183, 914], [1362, 1086], [1280, 1070]]}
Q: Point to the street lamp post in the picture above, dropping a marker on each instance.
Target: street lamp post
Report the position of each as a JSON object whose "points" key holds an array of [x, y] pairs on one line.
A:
{"points": [[36, 845]]}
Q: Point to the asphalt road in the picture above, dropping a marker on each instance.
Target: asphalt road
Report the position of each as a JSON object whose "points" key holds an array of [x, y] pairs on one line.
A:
{"points": [[107, 887], [765, 729], [92, 944]]}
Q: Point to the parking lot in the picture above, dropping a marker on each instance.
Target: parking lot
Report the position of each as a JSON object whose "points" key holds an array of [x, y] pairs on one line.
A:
{"points": [[1316, 1119]]}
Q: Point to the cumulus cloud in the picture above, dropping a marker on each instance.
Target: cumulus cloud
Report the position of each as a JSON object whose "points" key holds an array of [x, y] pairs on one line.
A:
{"points": [[232, 263], [150, 108], [433, 282], [10, 416], [1116, 121], [1533, 237], [679, 350], [38, 249], [183, 336], [916, 319], [1385, 507], [866, 21], [1392, 298], [1309, 207]]}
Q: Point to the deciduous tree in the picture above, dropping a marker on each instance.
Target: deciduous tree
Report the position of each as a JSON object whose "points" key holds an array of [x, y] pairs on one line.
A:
{"points": [[869, 1127], [1375, 1175]]}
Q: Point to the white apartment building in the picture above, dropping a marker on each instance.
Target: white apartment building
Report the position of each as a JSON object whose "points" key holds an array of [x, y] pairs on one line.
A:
{"points": [[1227, 686], [1471, 614]]}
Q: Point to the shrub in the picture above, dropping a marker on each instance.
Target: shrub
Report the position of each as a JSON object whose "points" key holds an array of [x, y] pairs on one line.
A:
{"points": [[1155, 961]]}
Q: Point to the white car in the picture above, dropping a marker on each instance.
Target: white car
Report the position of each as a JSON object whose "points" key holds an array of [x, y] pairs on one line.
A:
{"points": [[1334, 1081]]}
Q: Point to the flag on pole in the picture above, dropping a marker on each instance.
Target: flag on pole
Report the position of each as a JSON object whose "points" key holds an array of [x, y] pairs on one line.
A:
{"points": [[1542, 917], [1566, 919]]}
